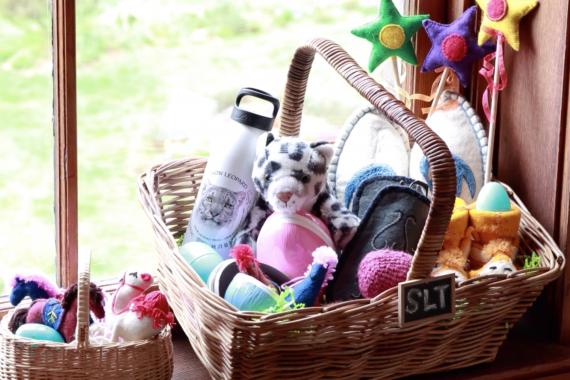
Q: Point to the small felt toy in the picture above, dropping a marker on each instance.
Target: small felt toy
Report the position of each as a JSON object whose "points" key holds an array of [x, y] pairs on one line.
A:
{"points": [[455, 46], [494, 231], [286, 241], [319, 273], [131, 285], [201, 257], [393, 212], [249, 294], [59, 314], [368, 140], [290, 176], [504, 17], [381, 270], [390, 35], [224, 273], [248, 264], [457, 123], [147, 316], [33, 286], [456, 245]]}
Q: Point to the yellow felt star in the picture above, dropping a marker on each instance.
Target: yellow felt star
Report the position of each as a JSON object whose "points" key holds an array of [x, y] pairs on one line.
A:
{"points": [[504, 17]]}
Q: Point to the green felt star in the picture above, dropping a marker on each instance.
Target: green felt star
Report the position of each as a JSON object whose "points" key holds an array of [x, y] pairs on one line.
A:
{"points": [[390, 35]]}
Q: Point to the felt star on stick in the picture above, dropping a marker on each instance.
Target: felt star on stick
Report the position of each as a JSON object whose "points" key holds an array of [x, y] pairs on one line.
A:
{"points": [[455, 46], [390, 35], [503, 16]]}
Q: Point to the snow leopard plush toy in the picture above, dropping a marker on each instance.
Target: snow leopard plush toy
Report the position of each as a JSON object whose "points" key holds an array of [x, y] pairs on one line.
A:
{"points": [[290, 175]]}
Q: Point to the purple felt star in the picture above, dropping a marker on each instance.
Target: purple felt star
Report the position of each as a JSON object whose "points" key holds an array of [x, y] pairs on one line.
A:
{"points": [[455, 46]]}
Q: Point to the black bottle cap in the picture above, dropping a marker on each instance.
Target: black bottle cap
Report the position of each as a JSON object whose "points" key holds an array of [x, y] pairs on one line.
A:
{"points": [[252, 119]]}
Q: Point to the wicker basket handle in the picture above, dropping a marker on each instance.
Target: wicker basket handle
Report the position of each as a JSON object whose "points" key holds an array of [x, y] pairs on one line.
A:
{"points": [[435, 150], [83, 285]]}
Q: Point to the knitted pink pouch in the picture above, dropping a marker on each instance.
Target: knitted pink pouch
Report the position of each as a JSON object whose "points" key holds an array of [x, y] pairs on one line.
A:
{"points": [[286, 241]]}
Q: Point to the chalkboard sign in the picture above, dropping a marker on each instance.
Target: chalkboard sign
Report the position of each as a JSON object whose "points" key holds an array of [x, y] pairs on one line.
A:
{"points": [[420, 300]]}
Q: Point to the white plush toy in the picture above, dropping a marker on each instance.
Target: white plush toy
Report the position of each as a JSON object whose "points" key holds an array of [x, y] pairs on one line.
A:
{"points": [[132, 285], [147, 316]]}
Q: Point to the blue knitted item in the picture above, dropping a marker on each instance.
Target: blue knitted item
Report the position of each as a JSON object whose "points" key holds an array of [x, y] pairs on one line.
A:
{"points": [[363, 174], [462, 172]]}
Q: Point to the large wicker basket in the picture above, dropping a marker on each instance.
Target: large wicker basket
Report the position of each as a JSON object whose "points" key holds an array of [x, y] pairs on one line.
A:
{"points": [[22, 358], [353, 339]]}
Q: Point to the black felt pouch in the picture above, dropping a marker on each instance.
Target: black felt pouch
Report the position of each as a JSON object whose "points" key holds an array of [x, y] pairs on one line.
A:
{"points": [[393, 215]]}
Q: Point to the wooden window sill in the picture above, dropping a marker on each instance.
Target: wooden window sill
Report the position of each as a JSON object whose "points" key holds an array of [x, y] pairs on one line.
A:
{"points": [[520, 358]]}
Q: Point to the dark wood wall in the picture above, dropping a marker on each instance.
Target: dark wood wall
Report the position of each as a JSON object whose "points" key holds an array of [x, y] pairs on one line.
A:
{"points": [[533, 140]]}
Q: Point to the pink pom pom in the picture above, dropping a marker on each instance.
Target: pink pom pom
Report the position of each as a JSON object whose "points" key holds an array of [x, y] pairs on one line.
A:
{"points": [[382, 270]]}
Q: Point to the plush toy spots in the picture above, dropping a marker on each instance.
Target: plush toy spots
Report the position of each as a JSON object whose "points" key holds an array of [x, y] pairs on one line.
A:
{"points": [[290, 177], [503, 16]]}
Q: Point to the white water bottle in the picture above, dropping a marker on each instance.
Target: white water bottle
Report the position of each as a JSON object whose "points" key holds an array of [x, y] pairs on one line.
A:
{"points": [[227, 192]]}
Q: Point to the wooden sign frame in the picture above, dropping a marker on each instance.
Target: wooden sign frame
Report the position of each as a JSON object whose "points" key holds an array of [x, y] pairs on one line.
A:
{"points": [[403, 287]]}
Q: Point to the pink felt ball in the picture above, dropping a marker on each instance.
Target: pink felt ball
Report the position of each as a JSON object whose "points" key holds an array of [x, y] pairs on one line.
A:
{"points": [[382, 270]]}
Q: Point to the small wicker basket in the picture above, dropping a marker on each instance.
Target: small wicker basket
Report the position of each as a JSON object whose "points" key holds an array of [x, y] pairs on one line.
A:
{"points": [[353, 339], [22, 358]]}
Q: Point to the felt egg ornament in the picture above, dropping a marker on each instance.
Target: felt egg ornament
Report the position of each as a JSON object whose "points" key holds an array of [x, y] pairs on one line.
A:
{"points": [[249, 294], [493, 197], [38, 331], [286, 241], [201, 257]]}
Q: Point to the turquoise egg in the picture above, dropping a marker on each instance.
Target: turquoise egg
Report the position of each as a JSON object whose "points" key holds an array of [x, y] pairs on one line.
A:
{"points": [[249, 294], [39, 332], [201, 257], [493, 197]]}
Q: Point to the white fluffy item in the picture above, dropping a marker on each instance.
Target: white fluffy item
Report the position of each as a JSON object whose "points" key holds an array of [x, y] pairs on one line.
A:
{"points": [[368, 138], [457, 123]]}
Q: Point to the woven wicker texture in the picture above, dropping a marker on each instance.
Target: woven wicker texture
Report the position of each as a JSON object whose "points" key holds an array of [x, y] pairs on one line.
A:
{"points": [[29, 359], [352, 339]]}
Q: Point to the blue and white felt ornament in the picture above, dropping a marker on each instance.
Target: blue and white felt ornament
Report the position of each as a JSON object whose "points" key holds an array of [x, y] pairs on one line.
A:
{"points": [[457, 123]]}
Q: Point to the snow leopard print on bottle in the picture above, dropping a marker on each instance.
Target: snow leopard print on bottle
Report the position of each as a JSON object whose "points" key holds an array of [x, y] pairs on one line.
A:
{"points": [[218, 205]]}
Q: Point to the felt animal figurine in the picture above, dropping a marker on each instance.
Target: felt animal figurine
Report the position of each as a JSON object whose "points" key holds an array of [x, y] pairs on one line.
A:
{"points": [[457, 123], [290, 177], [286, 241], [499, 264], [248, 264], [456, 244], [381, 270], [495, 223], [369, 143], [319, 273], [147, 316], [131, 285], [33, 286], [59, 314]]}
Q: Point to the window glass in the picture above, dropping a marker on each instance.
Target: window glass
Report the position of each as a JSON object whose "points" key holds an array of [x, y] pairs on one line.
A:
{"points": [[156, 78], [27, 227]]}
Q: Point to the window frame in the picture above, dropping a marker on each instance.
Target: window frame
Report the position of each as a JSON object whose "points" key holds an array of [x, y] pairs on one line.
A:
{"points": [[65, 137]]}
